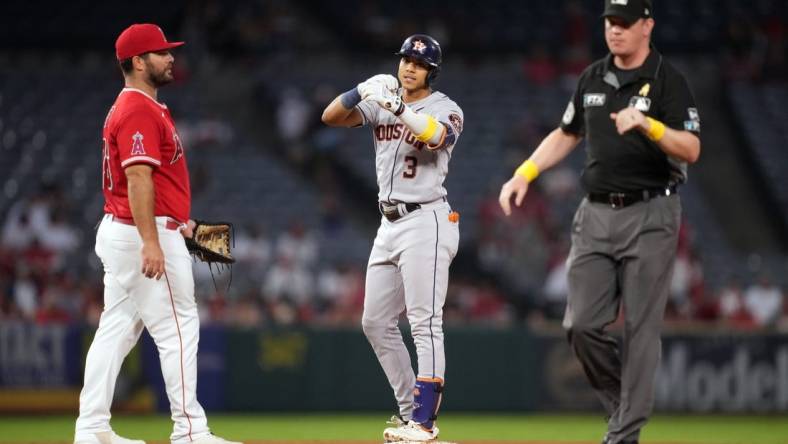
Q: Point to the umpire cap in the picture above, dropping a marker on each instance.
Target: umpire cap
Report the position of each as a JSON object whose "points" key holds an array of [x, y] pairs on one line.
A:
{"points": [[629, 10], [425, 49]]}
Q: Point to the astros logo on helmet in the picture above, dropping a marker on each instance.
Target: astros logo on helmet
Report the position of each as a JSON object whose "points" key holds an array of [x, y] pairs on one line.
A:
{"points": [[425, 49]]}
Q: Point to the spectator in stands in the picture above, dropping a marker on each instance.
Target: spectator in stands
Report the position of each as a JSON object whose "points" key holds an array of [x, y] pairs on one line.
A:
{"points": [[39, 211], [731, 307], [329, 288], [92, 295], [290, 280], [60, 238], [39, 259], [556, 288], [51, 309], [489, 306], [679, 300], [25, 292], [292, 121], [253, 250], [346, 290], [246, 312], [297, 245], [17, 232], [764, 301]]}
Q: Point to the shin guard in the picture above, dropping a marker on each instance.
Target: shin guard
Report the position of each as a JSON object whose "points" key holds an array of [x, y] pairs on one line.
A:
{"points": [[427, 400]]}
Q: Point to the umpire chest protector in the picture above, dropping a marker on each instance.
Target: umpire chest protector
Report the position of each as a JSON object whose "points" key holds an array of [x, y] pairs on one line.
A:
{"points": [[629, 162]]}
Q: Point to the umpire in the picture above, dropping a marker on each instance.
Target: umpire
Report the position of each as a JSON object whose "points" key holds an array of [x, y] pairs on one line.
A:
{"points": [[642, 127]]}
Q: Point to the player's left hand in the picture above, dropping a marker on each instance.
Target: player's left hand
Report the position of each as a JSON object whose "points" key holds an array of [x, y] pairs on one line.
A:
{"points": [[188, 230], [389, 102], [628, 119], [389, 82]]}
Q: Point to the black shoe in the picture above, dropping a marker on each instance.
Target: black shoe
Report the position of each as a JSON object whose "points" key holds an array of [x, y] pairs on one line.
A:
{"points": [[606, 441]]}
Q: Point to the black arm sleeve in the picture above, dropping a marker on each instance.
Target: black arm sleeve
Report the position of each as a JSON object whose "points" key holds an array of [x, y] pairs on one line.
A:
{"points": [[573, 121], [679, 111]]}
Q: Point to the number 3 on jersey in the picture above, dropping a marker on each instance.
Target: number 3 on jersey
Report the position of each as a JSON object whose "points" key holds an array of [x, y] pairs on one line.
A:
{"points": [[411, 162]]}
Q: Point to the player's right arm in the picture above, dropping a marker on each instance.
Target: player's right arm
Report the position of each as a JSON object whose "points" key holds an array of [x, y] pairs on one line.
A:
{"points": [[553, 149], [344, 109], [336, 114], [141, 203]]}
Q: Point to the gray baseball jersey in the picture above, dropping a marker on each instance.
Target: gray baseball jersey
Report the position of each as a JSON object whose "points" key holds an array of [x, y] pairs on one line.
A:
{"points": [[408, 267], [407, 170]]}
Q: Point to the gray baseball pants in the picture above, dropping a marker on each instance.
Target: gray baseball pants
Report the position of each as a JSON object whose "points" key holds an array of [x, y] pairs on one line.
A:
{"points": [[621, 258]]}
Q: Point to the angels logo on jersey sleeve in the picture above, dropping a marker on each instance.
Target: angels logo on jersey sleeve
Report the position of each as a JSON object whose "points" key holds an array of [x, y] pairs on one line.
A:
{"points": [[138, 137], [137, 148]]}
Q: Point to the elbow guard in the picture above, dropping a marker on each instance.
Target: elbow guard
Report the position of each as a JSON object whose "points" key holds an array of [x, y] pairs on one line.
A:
{"points": [[425, 127]]}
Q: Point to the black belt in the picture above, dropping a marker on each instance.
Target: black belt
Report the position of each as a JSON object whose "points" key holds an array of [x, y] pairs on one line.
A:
{"points": [[621, 200], [394, 212]]}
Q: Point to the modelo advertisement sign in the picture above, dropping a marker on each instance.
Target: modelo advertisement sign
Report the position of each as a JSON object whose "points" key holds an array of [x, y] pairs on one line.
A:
{"points": [[731, 374], [698, 373]]}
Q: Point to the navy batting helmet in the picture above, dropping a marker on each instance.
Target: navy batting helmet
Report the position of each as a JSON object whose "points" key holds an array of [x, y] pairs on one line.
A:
{"points": [[425, 49]]}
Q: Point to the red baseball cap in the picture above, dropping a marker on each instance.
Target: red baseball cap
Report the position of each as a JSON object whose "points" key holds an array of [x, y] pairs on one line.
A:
{"points": [[141, 38]]}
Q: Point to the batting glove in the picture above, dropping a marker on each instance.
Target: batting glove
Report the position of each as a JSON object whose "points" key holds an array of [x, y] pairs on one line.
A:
{"points": [[390, 102], [368, 89], [387, 80], [380, 84]]}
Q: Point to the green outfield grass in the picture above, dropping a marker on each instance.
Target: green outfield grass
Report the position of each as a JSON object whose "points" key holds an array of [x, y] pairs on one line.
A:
{"points": [[455, 427]]}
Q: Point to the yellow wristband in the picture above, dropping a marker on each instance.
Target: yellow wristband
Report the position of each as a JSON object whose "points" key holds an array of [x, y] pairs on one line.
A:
{"points": [[529, 170], [656, 130], [432, 126]]}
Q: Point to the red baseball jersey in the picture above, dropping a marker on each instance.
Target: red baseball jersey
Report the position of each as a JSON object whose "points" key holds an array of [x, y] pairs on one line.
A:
{"points": [[140, 130]]}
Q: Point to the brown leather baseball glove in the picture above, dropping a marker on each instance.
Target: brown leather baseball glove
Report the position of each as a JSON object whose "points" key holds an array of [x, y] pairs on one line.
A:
{"points": [[211, 242]]}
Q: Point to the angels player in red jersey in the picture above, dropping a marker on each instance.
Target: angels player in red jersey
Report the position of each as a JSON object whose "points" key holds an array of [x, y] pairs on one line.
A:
{"points": [[148, 279]]}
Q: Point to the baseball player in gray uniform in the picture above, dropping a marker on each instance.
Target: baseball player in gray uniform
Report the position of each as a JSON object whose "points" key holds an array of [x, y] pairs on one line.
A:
{"points": [[415, 130]]}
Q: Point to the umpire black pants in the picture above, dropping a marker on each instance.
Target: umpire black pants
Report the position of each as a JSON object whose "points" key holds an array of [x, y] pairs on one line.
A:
{"points": [[621, 257]]}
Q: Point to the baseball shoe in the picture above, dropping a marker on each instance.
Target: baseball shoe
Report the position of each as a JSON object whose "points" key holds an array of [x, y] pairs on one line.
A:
{"points": [[606, 440], [106, 438], [396, 421], [213, 439], [410, 432]]}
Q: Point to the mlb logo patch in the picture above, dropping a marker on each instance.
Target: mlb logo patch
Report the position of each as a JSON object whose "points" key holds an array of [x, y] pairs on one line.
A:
{"points": [[642, 104], [693, 124]]}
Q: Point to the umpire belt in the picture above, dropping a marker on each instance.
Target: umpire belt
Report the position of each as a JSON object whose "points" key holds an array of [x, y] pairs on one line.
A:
{"points": [[621, 200], [396, 211]]}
